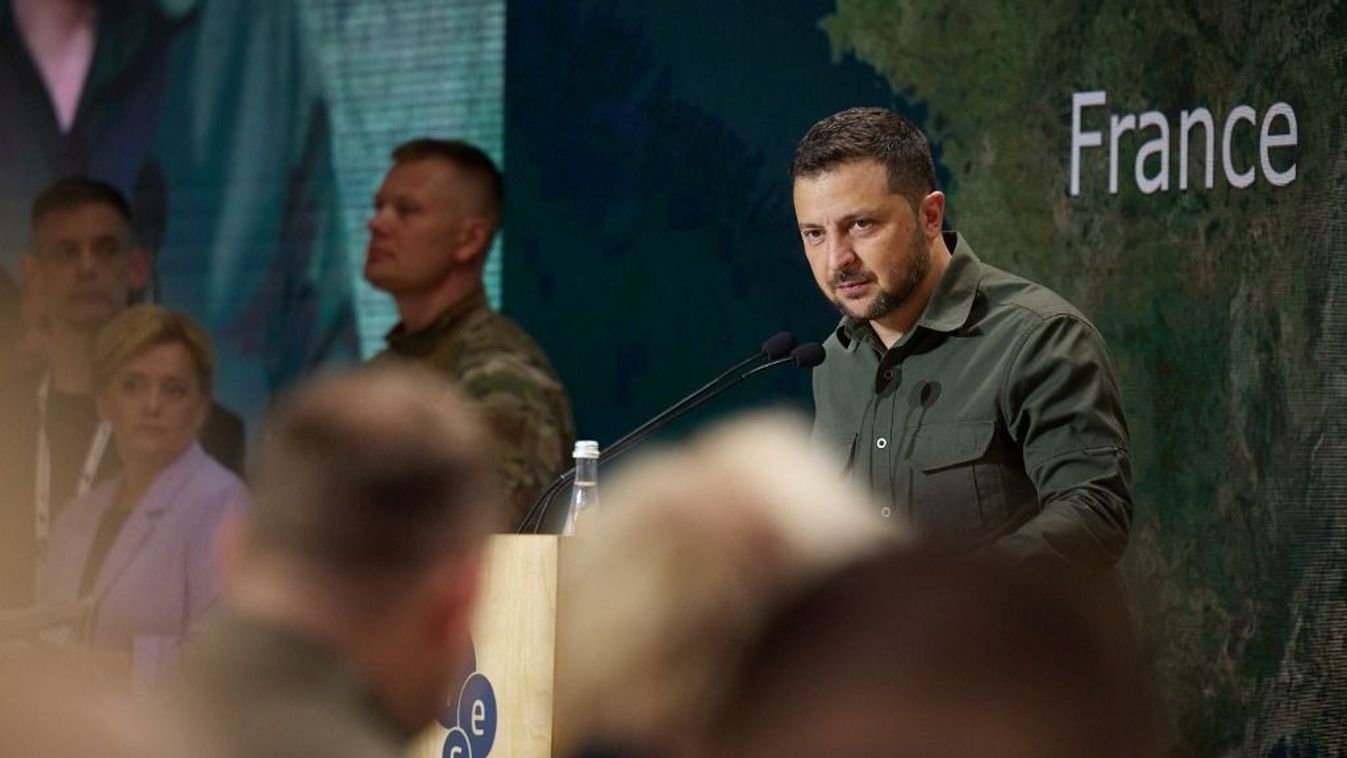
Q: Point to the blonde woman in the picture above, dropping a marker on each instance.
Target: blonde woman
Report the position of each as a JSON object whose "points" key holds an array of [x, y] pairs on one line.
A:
{"points": [[138, 547]]}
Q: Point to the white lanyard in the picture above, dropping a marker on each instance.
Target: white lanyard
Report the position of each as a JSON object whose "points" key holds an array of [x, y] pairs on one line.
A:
{"points": [[99, 444]]}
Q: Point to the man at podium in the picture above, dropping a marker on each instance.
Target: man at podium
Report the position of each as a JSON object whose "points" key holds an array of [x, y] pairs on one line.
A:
{"points": [[980, 407]]}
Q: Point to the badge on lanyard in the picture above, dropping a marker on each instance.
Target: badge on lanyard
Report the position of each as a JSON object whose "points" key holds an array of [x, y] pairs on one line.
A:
{"points": [[97, 446]]}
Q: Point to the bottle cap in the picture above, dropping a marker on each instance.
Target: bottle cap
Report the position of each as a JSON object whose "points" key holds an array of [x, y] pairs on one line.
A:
{"points": [[586, 449]]}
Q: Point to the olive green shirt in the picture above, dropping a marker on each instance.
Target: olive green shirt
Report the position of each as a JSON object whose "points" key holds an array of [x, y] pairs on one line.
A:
{"points": [[995, 424], [506, 374]]}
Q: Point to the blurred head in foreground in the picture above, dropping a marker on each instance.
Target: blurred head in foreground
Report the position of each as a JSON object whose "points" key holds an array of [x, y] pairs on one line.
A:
{"points": [[689, 551], [358, 559], [920, 656]]}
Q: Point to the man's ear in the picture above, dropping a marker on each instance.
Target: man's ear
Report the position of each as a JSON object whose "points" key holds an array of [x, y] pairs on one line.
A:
{"points": [[931, 214], [140, 268], [453, 597], [474, 239]]}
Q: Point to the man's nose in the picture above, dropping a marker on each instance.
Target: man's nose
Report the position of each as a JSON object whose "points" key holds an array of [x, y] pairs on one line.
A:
{"points": [[841, 253], [86, 261], [378, 223]]}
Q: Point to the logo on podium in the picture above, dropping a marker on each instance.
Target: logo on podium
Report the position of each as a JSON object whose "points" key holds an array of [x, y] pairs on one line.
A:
{"points": [[470, 717]]}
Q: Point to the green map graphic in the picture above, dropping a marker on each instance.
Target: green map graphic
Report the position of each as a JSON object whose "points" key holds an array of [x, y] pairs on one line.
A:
{"points": [[1224, 308]]}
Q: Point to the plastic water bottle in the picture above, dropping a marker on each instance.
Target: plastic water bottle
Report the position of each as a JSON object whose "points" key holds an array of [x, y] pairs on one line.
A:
{"points": [[585, 491]]}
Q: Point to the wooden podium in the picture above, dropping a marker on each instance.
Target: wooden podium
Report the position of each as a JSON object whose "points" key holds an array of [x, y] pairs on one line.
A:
{"points": [[514, 638]]}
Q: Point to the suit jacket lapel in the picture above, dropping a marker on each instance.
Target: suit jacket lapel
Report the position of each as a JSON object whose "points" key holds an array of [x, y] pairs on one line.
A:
{"points": [[146, 519]]}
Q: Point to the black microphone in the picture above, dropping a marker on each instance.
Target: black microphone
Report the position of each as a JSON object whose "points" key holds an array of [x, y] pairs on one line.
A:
{"points": [[776, 346], [807, 355]]}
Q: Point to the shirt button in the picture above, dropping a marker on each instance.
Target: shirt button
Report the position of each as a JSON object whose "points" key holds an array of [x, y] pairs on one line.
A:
{"points": [[886, 511], [888, 375], [881, 443]]}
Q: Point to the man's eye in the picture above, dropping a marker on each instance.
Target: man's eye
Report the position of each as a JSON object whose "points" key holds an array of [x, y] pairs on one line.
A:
{"points": [[862, 223]]}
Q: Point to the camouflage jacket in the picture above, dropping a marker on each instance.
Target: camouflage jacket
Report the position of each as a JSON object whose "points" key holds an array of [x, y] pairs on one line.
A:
{"points": [[522, 402]]}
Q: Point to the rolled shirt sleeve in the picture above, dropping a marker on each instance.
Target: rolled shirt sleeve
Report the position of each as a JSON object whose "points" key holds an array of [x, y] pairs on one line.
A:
{"points": [[1063, 407]]}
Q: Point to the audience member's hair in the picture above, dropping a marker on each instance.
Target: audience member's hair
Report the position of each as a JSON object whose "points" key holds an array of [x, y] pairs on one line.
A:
{"points": [[467, 158], [76, 192], [371, 476], [687, 552], [877, 134], [917, 654], [143, 327]]}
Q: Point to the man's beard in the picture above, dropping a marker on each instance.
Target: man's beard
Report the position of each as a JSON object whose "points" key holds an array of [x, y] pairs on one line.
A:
{"points": [[907, 277]]}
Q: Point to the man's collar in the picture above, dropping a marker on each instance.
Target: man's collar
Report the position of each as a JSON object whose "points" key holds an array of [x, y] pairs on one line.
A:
{"points": [[424, 341], [951, 302]]}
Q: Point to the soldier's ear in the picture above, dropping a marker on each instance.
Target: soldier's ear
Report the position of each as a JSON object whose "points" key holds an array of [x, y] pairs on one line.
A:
{"points": [[474, 239]]}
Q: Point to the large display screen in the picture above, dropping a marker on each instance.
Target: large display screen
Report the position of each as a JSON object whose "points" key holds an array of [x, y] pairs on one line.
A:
{"points": [[248, 139]]}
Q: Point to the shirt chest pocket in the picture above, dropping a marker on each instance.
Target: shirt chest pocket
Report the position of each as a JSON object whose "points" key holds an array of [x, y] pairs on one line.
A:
{"points": [[957, 493]]}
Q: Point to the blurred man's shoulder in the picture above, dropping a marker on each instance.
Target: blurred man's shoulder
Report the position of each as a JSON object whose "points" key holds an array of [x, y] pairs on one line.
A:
{"points": [[256, 689]]}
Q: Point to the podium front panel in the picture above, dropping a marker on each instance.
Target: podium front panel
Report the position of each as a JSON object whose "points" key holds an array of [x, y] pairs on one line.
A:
{"points": [[504, 706]]}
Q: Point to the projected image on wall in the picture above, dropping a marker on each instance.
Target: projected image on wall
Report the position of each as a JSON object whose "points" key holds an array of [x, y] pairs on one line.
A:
{"points": [[247, 140]]}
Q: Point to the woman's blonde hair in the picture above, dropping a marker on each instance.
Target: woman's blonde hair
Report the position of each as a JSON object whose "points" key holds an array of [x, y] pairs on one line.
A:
{"points": [[142, 327]]}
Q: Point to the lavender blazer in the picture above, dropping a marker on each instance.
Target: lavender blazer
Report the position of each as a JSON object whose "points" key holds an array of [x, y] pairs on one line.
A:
{"points": [[158, 577]]}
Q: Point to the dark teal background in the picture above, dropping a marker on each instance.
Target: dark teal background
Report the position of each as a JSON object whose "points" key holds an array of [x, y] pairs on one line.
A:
{"points": [[650, 241]]}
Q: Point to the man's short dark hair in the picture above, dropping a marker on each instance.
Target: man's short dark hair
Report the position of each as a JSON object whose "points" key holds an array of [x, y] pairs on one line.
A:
{"points": [[914, 626], [371, 477], [465, 156], [75, 192], [859, 134]]}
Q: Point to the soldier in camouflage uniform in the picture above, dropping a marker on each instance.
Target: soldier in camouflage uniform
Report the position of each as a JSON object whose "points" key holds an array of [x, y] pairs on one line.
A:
{"points": [[435, 216]]}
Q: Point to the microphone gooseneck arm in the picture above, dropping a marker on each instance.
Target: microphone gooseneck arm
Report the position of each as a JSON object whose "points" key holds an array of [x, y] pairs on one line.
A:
{"points": [[780, 349]]}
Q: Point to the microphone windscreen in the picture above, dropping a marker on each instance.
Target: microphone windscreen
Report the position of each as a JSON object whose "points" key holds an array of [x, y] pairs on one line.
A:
{"points": [[808, 355], [778, 345]]}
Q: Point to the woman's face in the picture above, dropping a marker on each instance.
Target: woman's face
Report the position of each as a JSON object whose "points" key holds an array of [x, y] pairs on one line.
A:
{"points": [[155, 405]]}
